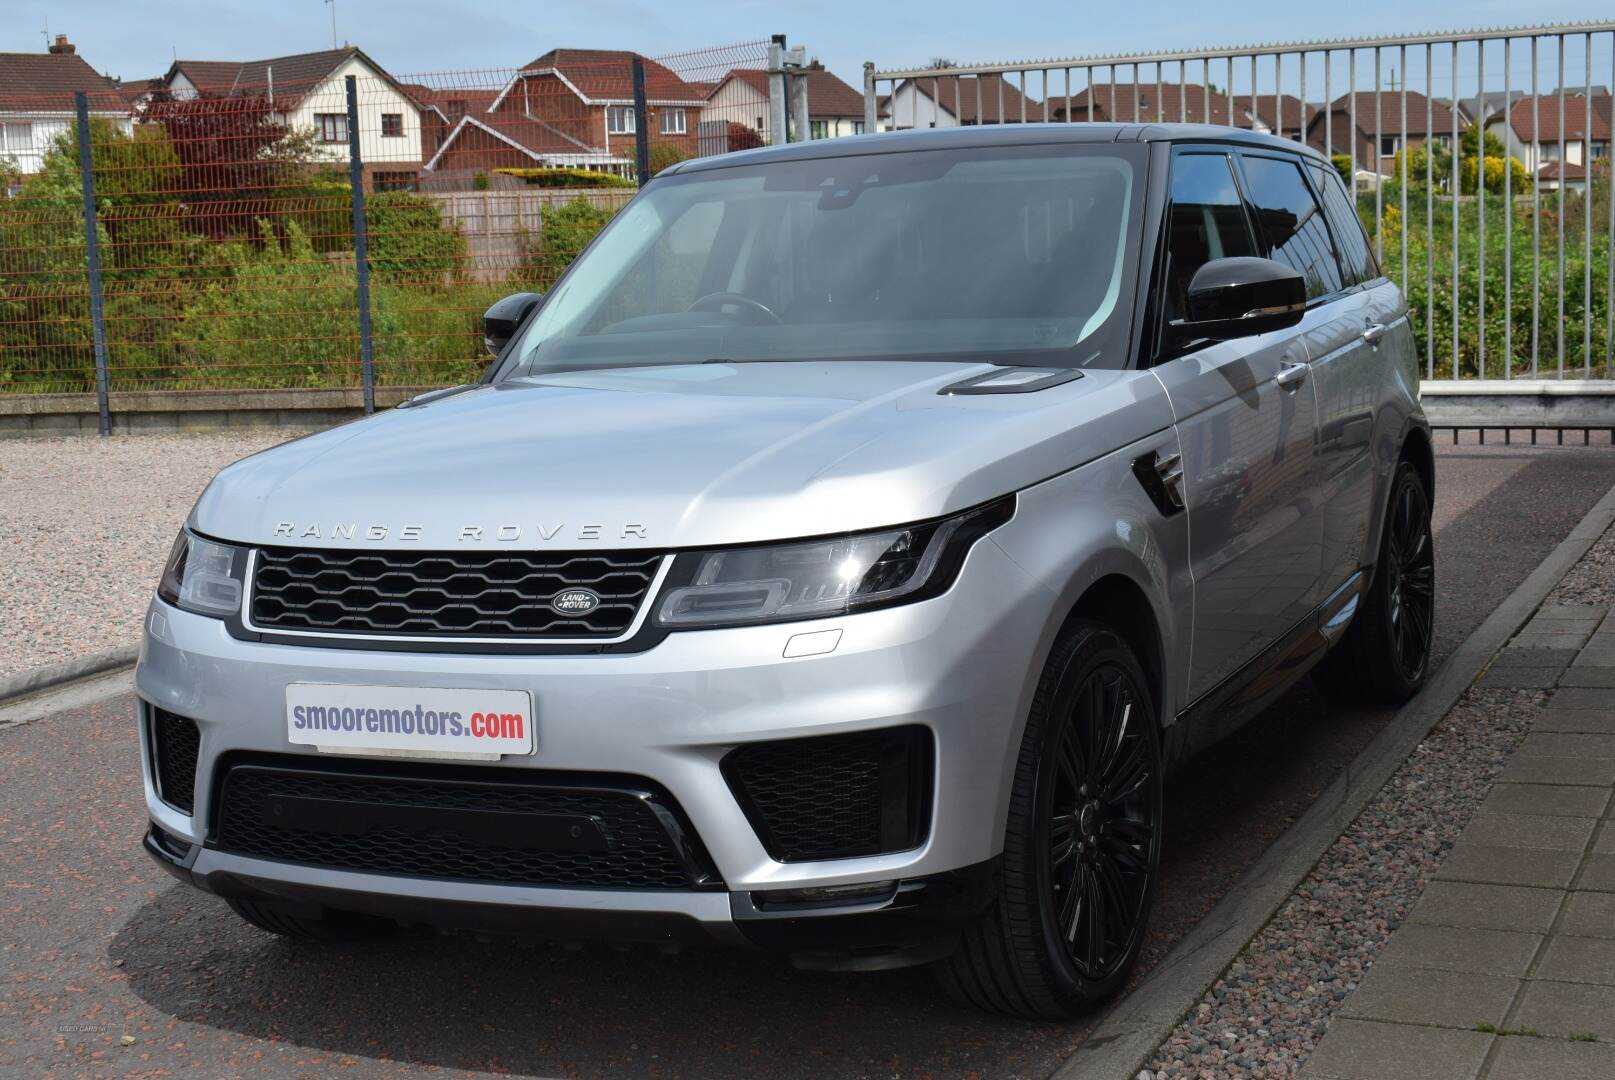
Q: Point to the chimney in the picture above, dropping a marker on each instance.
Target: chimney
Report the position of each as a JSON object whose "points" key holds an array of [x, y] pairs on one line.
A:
{"points": [[62, 46]]}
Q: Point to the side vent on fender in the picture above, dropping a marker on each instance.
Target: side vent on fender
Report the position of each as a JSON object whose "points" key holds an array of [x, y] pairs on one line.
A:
{"points": [[1162, 480]]}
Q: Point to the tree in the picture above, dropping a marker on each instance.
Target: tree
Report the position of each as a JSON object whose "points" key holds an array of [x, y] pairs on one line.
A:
{"points": [[236, 157]]}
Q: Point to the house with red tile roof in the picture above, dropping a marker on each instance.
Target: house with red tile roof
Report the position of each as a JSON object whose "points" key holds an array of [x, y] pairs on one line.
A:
{"points": [[834, 108], [1556, 153], [1376, 137], [309, 92], [1173, 103], [37, 102], [572, 108]]}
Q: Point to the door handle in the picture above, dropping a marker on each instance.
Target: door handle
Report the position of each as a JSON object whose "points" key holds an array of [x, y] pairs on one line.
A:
{"points": [[1291, 375], [1374, 332]]}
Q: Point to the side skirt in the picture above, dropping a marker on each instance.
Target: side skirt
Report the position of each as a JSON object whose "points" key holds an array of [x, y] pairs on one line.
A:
{"points": [[1230, 704]]}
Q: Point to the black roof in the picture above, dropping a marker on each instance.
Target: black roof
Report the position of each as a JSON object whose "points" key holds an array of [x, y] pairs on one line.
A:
{"points": [[891, 142]]}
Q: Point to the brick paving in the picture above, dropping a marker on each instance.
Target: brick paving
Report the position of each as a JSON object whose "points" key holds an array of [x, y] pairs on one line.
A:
{"points": [[1505, 968]]}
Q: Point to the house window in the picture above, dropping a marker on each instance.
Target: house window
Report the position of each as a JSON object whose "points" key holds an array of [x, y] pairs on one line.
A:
{"points": [[395, 181], [392, 125], [620, 120], [759, 123], [1600, 149], [673, 122], [1389, 145], [333, 126], [1550, 151], [818, 129], [857, 127], [17, 138]]}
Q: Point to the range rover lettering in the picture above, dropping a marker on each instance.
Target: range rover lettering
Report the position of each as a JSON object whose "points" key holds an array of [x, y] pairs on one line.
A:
{"points": [[836, 561]]}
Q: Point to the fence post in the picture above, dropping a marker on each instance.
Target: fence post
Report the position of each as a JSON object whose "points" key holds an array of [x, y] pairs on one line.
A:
{"points": [[778, 133], [361, 250], [641, 123], [799, 105], [871, 113], [92, 251]]}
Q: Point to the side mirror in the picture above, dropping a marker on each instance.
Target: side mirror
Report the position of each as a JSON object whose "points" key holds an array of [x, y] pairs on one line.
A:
{"points": [[500, 321], [1240, 297]]}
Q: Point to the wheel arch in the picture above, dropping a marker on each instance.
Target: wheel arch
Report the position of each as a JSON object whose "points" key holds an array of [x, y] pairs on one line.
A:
{"points": [[1119, 602]]}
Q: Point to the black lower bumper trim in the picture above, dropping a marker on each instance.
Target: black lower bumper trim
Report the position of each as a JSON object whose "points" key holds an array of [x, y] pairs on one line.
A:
{"points": [[915, 921], [905, 922]]}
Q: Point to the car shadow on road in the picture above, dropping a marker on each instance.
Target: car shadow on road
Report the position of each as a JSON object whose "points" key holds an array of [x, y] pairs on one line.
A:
{"points": [[459, 1003]]}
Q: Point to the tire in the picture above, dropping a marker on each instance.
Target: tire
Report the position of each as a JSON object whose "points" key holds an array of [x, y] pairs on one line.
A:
{"points": [[1066, 924], [1384, 656], [329, 926]]}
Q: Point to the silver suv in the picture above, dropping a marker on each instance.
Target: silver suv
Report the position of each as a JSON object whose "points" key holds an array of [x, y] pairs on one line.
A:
{"points": [[834, 562]]}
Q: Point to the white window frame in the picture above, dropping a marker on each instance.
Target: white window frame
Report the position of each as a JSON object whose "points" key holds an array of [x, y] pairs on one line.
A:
{"points": [[668, 125], [337, 122], [818, 129], [620, 120], [11, 143], [1396, 145]]}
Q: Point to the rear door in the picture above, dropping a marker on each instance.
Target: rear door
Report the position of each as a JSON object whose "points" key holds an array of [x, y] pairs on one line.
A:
{"points": [[1246, 420], [1348, 359]]}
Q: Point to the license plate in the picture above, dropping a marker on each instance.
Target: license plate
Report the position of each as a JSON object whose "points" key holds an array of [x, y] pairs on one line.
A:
{"points": [[410, 721]]}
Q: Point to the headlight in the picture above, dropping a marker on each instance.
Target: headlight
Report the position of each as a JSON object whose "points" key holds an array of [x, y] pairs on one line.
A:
{"points": [[200, 576], [815, 579]]}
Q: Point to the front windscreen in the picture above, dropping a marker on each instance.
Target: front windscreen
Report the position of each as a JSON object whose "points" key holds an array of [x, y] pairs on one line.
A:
{"points": [[1010, 255]]}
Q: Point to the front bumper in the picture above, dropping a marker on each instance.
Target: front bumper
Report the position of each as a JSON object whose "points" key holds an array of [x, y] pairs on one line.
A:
{"points": [[959, 665]]}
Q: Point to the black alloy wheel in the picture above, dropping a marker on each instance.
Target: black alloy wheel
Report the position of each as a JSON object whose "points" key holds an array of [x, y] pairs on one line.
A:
{"points": [[1082, 841], [1384, 656], [1101, 809], [1411, 581]]}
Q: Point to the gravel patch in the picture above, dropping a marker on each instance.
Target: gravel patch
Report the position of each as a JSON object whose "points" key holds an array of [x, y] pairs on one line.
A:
{"points": [[1591, 580], [1263, 1018], [85, 523]]}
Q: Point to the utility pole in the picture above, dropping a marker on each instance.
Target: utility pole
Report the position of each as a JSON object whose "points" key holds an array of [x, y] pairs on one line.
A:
{"points": [[332, 5]]}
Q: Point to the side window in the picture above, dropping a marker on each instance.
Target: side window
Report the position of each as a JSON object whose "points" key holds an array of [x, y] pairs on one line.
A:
{"points": [[1206, 221], [1290, 223], [1356, 257]]}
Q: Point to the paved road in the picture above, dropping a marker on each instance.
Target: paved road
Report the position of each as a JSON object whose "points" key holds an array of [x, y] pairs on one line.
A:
{"points": [[97, 945]]}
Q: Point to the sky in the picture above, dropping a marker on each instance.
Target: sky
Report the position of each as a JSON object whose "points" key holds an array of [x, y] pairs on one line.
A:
{"points": [[135, 39]]}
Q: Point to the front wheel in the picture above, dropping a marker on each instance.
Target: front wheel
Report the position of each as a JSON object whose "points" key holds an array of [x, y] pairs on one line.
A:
{"points": [[1082, 844], [1384, 657]]}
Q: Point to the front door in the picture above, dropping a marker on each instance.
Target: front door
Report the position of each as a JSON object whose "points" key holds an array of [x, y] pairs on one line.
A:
{"points": [[1247, 421]]}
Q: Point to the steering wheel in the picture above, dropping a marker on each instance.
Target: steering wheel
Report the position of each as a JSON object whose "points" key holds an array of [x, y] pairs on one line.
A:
{"points": [[717, 300]]}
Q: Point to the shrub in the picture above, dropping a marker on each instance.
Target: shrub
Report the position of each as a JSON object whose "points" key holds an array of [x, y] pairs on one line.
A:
{"points": [[565, 230], [664, 154], [409, 240], [285, 317]]}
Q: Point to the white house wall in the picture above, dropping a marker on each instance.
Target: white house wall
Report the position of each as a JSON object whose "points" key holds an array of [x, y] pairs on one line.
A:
{"points": [[912, 109], [46, 127], [376, 96]]}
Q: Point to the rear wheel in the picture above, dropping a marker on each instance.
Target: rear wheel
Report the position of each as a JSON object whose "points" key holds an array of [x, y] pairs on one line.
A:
{"points": [[1082, 844], [319, 924], [1384, 657]]}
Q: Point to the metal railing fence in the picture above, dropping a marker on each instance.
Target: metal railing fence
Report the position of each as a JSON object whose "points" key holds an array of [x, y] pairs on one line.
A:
{"points": [[345, 232], [1481, 161]]}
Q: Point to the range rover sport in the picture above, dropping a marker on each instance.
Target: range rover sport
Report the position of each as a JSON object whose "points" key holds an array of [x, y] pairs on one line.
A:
{"points": [[836, 561]]}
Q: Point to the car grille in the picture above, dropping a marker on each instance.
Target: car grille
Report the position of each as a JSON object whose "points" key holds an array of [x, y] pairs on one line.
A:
{"points": [[448, 594], [836, 796], [517, 831], [174, 745]]}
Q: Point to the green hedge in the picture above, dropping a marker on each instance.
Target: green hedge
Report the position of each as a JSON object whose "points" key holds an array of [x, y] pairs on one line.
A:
{"points": [[567, 178]]}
